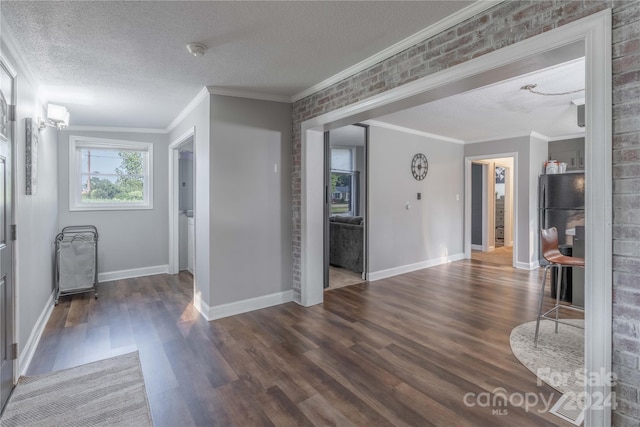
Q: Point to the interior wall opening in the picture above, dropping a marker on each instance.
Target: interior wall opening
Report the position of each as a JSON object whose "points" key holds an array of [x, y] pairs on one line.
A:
{"points": [[346, 206], [538, 52], [182, 201], [492, 211]]}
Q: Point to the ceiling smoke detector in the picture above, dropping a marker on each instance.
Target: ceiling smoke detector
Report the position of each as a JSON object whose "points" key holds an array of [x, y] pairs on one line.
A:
{"points": [[196, 49]]}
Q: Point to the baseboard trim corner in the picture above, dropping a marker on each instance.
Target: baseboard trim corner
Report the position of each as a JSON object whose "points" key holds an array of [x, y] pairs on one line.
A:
{"points": [[527, 265], [132, 272], [244, 306], [202, 307], [390, 272], [26, 355]]}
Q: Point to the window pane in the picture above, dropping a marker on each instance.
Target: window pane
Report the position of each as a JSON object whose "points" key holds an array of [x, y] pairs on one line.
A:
{"points": [[341, 193], [112, 176], [341, 159]]}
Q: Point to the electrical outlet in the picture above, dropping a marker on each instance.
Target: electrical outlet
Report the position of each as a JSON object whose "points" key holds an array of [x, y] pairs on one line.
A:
{"points": [[419, 197]]}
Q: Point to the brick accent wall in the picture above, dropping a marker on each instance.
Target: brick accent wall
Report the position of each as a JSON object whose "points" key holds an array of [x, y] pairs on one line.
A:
{"points": [[626, 212], [500, 26]]}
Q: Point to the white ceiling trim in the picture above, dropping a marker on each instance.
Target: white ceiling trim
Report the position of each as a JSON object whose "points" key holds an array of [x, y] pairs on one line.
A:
{"points": [[216, 90], [440, 26], [412, 131], [571, 136], [204, 92], [12, 48], [114, 129], [501, 137], [539, 135]]}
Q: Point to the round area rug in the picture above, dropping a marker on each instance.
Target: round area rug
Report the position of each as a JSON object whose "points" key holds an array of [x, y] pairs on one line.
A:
{"points": [[558, 360]]}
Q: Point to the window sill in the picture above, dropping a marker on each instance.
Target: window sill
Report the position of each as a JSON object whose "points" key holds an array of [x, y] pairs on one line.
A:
{"points": [[123, 207]]}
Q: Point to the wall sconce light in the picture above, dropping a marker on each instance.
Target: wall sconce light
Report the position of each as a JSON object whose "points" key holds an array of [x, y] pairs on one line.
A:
{"points": [[57, 117]]}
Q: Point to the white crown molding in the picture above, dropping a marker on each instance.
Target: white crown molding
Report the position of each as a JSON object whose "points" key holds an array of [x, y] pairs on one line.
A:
{"points": [[499, 137], [13, 48], [204, 93], [538, 135], [403, 129], [114, 129], [440, 26], [215, 90], [570, 136]]}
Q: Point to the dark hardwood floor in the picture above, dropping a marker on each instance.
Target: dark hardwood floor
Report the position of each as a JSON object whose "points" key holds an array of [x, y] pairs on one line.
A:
{"points": [[399, 351]]}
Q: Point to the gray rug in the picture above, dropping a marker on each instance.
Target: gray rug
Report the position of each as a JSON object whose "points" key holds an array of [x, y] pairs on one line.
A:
{"points": [[109, 392], [559, 358]]}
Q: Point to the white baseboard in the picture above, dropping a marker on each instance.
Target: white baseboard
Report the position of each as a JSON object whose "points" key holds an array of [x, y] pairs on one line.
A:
{"points": [[239, 307], [390, 272], [133, 272], [527, 265], [476, 247], [26, 354], [202, 307]]}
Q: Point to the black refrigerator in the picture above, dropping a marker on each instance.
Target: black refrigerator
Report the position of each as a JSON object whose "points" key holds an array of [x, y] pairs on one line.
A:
{"points": [[561, 205]]}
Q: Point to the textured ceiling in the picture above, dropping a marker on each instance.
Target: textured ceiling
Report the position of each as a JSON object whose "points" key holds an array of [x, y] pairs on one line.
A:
{"points": [[503, 109], [125, 63]]}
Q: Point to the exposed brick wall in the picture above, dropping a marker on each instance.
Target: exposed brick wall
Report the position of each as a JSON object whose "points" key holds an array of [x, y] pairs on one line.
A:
{"points": [[504, 25], [626, 211]]}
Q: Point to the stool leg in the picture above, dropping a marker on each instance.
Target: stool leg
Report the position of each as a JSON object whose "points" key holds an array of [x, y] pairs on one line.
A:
{"points": [[558, 286], [544, 279]]}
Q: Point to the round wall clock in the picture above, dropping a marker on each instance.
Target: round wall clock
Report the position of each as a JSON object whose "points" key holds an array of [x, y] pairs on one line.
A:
{"points": [[419, 166]]}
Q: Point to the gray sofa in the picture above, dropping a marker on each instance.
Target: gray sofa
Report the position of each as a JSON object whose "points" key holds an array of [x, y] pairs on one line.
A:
{"points": [[346, 240]]}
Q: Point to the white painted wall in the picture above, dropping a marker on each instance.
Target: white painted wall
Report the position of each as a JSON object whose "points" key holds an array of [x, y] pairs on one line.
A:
{"points": [[198, 118], [36, 215], [433, 227], [251, 253], [527, 169], [128, 239]]}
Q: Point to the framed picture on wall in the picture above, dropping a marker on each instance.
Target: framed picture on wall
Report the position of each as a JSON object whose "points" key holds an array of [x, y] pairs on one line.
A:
{"points": [[31, 157], [4, 114], [500, 171]]}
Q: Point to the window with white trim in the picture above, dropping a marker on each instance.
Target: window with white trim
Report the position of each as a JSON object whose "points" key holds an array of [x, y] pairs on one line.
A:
{"points": [[108, 174]]}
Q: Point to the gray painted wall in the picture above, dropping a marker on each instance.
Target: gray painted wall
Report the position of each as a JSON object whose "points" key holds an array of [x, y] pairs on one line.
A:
{"points": [[251, 253], [531, 155], [538, 154], [433, 227], [36, 215], [476, 204], [129, 238], [198, 118]]}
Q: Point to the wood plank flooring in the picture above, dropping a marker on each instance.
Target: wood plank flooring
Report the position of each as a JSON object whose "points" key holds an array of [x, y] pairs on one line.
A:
{"points": [[401, 351]]}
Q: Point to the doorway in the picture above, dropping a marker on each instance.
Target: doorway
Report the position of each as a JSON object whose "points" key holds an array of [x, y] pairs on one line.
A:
{"points": [[345, 206], [7, 315], [186, 222], [493, 210], [182, 203]]}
